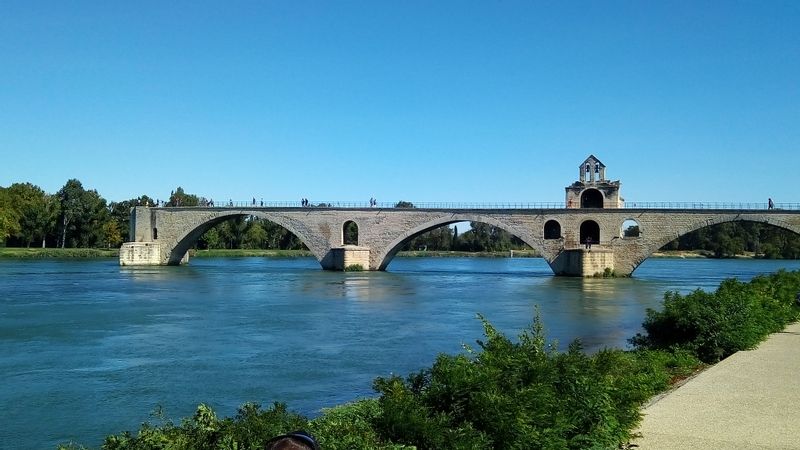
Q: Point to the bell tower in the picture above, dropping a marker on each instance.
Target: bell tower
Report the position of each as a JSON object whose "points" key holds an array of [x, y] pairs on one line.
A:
{"points": [[592, 190]]}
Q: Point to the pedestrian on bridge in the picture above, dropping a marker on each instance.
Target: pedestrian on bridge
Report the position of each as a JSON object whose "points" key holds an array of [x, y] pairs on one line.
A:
{"points": [[770, 205]]}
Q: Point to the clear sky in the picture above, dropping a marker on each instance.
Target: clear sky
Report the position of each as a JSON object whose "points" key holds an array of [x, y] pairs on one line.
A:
{"points": [[485, 101]]}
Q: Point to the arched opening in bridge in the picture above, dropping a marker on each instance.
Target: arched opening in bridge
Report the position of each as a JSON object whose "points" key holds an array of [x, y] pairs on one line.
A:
{"points": [[247, 232], [630, 229], [349, 233], [591, 198], [552, 229], [462, 236], [730, 239], [590, 230]]}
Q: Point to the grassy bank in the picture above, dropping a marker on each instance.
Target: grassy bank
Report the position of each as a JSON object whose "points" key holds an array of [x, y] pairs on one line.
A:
{"points": [[24, 253], [228, 253], [454, 254], [521, 393]]}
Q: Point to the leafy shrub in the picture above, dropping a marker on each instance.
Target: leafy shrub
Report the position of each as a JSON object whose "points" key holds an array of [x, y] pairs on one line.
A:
{"points": [[510, 395], [737, 316]]}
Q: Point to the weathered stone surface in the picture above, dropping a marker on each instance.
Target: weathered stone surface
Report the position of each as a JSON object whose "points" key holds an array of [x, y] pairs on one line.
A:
{"points": [[384, 231]]}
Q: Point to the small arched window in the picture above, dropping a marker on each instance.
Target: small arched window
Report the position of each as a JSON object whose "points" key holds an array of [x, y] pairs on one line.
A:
{"points": [[552, 229], [350, 233], [630, 229]]}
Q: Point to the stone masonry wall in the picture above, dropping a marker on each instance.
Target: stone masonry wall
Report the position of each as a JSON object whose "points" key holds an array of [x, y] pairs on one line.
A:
{"points": [[384, 231]]}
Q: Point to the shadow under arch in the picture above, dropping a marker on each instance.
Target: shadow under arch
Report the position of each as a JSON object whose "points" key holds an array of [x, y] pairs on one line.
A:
{"points": [[188, 237], [705, 223], [390, 251]]}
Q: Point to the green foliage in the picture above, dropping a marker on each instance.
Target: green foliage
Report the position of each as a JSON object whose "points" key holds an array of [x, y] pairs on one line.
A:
{"points": [[33, 252], [180, 198], [350, 426], [354, 268], [522, 395], [9, 216], [729, 239], [714, 325], [249, 233], [404, 204], [82, 215], [250, 429], [38, 213]]}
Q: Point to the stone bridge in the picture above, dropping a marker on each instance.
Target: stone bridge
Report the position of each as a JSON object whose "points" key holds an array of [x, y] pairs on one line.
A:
{"points": [[161, 236]]}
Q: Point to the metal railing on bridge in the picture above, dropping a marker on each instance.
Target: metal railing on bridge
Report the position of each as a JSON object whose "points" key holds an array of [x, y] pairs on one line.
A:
{"points": [[508, 205]]}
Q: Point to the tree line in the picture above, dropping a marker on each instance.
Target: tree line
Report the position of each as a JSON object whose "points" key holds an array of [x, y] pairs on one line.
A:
{"points": [[79, 217]]}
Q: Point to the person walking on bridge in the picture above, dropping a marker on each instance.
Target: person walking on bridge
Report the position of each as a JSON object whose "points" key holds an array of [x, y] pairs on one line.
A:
{"points": [[770, 205]]}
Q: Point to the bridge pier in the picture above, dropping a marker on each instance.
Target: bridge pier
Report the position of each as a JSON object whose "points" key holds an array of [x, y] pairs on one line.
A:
{"points": [[583, 262], [340, 258], [146, 253]]}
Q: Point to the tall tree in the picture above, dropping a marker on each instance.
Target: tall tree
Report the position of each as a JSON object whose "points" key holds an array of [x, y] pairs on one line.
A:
{"points": [[38, 212], [9, 216], [83, 214], [180, 198]]}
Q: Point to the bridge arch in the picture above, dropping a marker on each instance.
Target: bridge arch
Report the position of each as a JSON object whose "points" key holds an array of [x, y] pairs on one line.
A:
{"points": [[592, 198], [389, 251], [650, 244], [187, 236], [697, 225]]}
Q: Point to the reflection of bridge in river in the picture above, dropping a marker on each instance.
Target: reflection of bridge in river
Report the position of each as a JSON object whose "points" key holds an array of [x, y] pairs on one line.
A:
{"points": [[164, 235]]}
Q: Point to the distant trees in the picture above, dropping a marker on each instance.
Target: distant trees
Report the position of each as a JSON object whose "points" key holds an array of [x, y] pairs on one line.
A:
{"points": [[36, 213], [251, 233], [728, 239], [480, 237], [9, 217], [180, 198]]}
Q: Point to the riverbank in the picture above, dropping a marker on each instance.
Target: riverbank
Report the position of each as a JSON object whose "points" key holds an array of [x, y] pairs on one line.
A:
{"points": [[33, 253]]}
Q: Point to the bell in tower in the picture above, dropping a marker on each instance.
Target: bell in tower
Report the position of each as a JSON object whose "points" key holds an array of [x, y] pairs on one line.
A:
{"points": [[592, 190]]}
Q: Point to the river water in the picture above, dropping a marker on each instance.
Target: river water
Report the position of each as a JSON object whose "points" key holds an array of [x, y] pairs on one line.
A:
{"points": [[88, 348]]}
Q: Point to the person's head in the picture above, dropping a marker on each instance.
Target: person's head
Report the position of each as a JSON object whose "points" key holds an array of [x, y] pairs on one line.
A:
{"points": [[296, 440]]}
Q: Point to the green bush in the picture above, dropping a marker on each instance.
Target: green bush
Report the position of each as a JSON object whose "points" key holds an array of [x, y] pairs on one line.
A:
{"points": [[737, 316], [522, 395]]}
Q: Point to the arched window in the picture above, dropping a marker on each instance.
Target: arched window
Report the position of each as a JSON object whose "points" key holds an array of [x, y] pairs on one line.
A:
{"points": [[591, 198], [350, 233], [590, 229], [552, 229], [630, 229]]}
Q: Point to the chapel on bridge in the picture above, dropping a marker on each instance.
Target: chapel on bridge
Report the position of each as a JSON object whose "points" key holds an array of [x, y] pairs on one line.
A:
{"points": [[592, 190]]}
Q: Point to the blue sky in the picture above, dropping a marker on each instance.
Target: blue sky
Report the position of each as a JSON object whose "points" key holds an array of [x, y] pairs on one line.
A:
{"points": [[490, 101]]}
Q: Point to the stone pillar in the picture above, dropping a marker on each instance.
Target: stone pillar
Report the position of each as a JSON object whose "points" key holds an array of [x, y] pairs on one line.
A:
{"points": [[140, 254], [583, 263], [346, 256]]}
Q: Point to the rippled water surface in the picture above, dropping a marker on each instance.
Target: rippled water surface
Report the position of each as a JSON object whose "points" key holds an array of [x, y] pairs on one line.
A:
{"points": [[88, 348]]}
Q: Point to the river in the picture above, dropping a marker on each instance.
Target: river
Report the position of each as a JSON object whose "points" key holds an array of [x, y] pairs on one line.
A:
{"points": [[88, 348]]}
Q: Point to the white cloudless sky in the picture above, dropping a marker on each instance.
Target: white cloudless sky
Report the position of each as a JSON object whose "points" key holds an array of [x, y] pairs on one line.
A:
{"points": [[490, 101]]}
